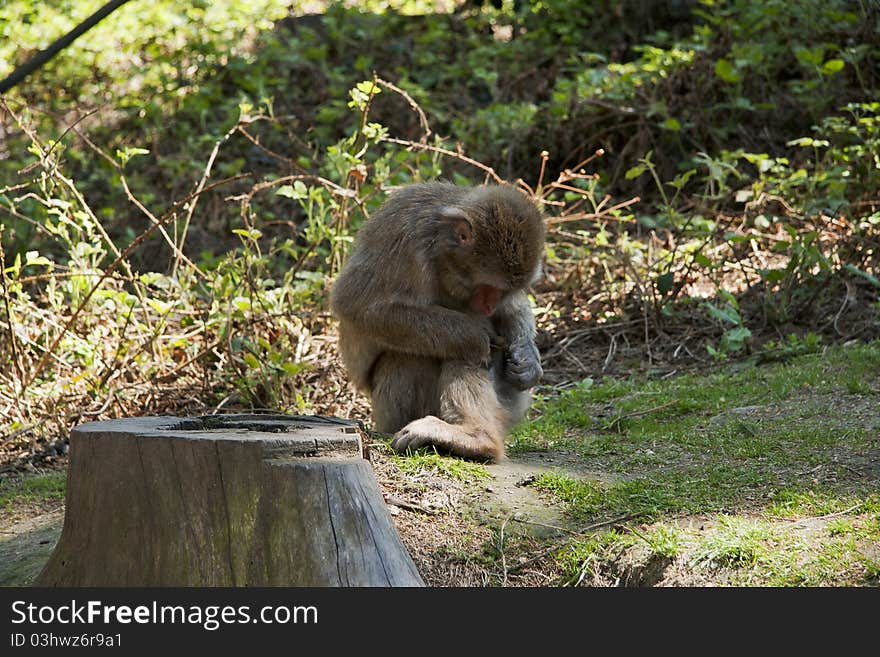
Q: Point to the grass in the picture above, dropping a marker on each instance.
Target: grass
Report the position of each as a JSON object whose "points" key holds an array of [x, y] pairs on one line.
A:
{"points": [[737, 543], [776, 460], [32, 489], [695, 411], [746, 550], [438, 464], [663, 540]]}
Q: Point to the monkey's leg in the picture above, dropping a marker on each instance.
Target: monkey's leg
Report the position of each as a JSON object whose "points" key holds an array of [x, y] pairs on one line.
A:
{"points": [[515, 401], [404, 388], [471, 423]]}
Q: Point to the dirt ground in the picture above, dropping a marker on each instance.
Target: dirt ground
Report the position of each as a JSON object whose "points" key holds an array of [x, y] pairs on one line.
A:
{"points": [[493, 532]]}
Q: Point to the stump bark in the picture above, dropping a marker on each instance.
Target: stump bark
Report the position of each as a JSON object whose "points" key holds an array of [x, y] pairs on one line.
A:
{"points": [[235, 500]]}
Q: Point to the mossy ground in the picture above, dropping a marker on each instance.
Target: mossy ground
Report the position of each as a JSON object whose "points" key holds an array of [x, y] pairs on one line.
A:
{"points": [[758, 475]]}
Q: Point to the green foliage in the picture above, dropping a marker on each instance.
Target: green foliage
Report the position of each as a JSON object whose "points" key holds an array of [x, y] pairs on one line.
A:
{"points": [[180, 185], [736, 334], [234, 317]]}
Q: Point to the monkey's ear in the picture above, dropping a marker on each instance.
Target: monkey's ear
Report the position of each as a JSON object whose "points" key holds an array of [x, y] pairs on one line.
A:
{"points": [[460, 224]]}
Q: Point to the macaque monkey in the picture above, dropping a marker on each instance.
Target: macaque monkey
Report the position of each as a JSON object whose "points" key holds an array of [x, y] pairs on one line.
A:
{"points": [[434, 322]]}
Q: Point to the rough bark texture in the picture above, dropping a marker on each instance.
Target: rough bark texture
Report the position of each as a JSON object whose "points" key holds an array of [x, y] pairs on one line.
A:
{"points": [[243, 500]]}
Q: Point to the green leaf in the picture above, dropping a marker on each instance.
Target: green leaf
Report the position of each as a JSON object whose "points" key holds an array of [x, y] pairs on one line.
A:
{"points": [[584, 384], [665, 282], [725, 70], [249, 233], [125, 154], [736, 338], [362, 93], [802, 141], [773, 275], [34, 258], [244, 111], [636, 171], [671, 124], [161, 307], [368, 87], [858, 272], [832, 66], [681, 180], [296, 191], [809, 56], [251, 360], [702, 260], [293, 368], [727, 314], [729, 298]]}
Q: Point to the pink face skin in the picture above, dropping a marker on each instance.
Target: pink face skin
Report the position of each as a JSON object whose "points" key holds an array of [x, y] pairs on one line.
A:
{"points": [[485, 300]]}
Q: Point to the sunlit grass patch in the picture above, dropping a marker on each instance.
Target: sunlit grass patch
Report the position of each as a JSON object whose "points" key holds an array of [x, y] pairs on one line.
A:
{"points": [[662, 539], [742, 414], [709, 489], [32, 488], [431, 462], [583, 560], [795, 503], [739, 542]]}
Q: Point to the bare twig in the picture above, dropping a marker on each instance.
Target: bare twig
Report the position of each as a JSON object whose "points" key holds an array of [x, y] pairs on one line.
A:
{"points": [[489, 171], [547, 526], [168, 216], [43, 56], [200, 187], [617, 420], [423, 120], [501, 551], [13, 340], [582, 216], [393, 500]]}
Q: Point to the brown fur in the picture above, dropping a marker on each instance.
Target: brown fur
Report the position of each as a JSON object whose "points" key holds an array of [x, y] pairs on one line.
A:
{"points": [[410, 333]]}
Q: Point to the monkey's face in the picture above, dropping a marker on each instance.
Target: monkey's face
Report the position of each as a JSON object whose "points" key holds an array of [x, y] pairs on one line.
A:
{"points": [[498, 242]]}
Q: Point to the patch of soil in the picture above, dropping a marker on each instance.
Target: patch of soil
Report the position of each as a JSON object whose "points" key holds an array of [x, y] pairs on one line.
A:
{"points": [[457, 532], [510, 495], [25, 546]]}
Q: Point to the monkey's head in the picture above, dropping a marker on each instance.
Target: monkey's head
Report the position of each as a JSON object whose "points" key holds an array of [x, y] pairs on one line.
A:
{"points": [[494, 241]]}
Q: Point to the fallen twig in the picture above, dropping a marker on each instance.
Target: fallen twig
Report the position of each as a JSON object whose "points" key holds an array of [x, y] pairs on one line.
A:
{"points": [[407, 506], [625, 416]]}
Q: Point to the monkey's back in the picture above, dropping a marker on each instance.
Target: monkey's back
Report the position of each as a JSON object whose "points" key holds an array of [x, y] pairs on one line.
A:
{"points": [[390, 260]]}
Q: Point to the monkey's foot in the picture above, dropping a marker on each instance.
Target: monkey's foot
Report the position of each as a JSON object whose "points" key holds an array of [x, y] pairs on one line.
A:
{"points": [[432, 431]]}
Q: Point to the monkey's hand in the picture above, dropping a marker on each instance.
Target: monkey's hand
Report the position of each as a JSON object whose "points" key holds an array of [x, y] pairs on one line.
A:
{"points": [[491, 344], [522, 366]]}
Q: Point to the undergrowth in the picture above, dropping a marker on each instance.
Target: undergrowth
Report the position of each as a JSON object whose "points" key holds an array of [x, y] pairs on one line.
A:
{"points": [[179, 188]]}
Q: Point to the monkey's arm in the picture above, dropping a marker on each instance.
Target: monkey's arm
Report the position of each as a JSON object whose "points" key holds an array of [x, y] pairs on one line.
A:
{"points": [[423, 330], [515, 322]]}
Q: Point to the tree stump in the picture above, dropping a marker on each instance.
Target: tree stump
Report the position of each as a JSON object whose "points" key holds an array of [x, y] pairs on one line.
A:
{"points": [[228, 500]]}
